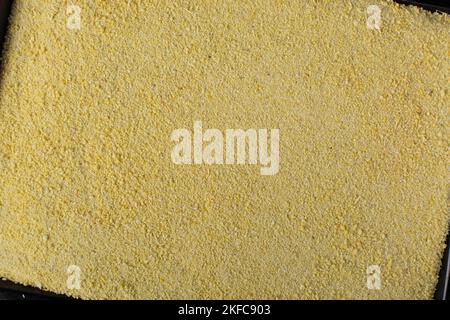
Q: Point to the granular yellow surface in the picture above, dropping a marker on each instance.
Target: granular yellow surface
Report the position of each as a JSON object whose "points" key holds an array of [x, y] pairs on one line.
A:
{"points": [[87, 180]]}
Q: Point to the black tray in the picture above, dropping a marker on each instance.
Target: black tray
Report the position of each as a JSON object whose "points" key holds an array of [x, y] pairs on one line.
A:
{"points": [[12, 291]]}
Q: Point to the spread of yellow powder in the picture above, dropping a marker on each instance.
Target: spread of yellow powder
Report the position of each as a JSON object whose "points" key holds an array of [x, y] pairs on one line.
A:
{"points": [[87, 180]]}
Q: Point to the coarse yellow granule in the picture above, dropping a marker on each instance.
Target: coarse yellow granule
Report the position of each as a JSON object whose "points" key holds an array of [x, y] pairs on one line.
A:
{"points": [[86, 177]]}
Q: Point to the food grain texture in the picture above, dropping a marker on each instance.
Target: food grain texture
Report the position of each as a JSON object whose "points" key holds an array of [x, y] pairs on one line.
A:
{"points": [[86, 177]]}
